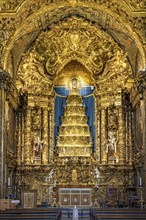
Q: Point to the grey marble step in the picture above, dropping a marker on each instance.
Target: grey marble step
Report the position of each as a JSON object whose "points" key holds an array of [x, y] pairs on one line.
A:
{"points": [[84, 214]]}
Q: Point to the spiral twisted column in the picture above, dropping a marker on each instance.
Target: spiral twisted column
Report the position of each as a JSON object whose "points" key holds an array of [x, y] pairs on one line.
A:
{"points": [[45, 137], [130, 139], [28, 150], [2, 137], [103, 137], [97, 133], [19, 135], [121, 138]]}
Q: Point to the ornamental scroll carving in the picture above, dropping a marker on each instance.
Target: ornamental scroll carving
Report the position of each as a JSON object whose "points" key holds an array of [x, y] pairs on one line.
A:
{"points": [[32, 74], [74, 42], [54, 49]]}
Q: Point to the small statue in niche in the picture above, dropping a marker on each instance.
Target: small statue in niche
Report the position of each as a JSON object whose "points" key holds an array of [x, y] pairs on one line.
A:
{"points": [[51, 175], [111, 144], [74, 83], [38, 146], [74, 86], [97, 173]]}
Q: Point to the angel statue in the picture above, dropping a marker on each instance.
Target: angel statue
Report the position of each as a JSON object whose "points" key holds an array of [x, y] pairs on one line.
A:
{"points": [[97, 174], [51, 175]]}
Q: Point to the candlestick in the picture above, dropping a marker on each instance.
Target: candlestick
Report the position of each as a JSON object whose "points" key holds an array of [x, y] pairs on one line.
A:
{"points": [[140, 181]]}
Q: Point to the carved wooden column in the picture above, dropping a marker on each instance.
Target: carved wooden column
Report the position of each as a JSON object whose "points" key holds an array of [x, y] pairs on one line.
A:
{"points": [[23, 136], [128, 129], [144, 137], [2, 134], [144, 141], [97, 134], [19, 138], [130, 138], [51, 127], [51, 135], [27, 150], [121, 138], [141, 89], [103, 137], [45, 137]]}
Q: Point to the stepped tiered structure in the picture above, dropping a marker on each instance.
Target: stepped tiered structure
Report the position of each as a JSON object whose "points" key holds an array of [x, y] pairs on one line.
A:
{"points": [[74, 139]]}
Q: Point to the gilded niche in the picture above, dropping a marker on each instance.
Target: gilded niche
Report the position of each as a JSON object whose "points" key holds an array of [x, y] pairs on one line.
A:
{"points": [[74, 69]]}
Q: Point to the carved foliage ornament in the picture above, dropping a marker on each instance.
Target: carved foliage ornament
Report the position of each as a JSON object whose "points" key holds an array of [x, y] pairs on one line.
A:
{"points": [[71, 40], [9, 5], [32, 73], [63, 9]]}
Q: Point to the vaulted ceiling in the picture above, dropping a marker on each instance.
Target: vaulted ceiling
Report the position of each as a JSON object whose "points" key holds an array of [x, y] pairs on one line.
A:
{"points": [[26, 23]]}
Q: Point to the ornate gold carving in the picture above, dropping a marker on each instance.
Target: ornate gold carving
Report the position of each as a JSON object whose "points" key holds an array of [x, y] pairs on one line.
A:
{"points": [[137, 4], [32, 73], [74, 176], [85, 40], [103, 136], [19, 139], [51, 127], [121, 137], [71, 141], [72, 43], [10, 5], [28, 147], [74, 69], [45, 137], [105, 17]]}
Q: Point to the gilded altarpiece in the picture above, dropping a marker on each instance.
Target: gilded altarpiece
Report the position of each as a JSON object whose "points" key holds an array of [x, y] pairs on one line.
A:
{"points": [[47, 169]]}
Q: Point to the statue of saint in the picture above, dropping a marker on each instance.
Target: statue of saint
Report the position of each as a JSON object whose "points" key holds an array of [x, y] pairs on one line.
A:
{"points": [[38, 146], [74, 86], [74, 83], [97, 174], [111, 144]]}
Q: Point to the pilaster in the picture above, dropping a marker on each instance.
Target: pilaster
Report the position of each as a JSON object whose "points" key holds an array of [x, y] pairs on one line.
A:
{"points": [[8, 97], [130, 138], [121, 137], [45, 137], [140, 83], [19, 138], [97, 134], [103, 137], [27, 151], [3, 77]]}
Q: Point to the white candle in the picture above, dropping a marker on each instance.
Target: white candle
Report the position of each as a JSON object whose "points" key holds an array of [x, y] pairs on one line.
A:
{"points": [[140, 181], [9, 181]]}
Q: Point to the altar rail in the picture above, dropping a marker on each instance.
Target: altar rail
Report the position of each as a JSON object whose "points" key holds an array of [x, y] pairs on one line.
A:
{"points": [[117, 214], [29, 214]]}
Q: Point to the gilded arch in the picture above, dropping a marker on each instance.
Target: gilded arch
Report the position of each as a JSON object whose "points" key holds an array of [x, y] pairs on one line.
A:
{"points": [[98, 15]]}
